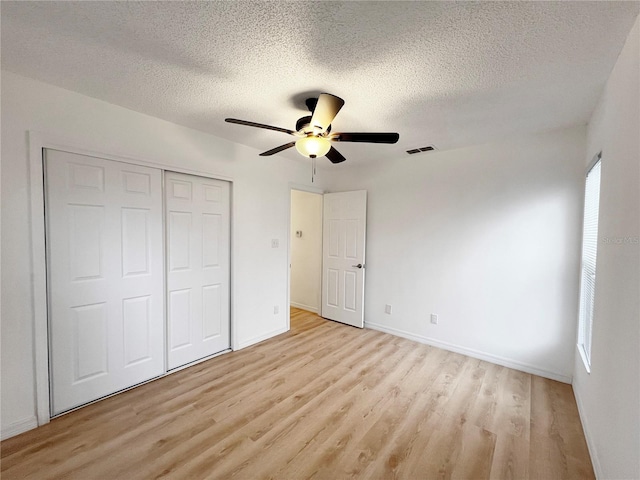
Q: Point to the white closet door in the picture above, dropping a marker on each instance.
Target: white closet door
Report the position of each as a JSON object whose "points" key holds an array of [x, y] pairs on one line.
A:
{"points": [[105, 276], [198, 256]]}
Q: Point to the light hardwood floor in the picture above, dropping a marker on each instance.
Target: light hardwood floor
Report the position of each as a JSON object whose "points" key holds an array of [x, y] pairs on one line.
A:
{"points": [[323, 401]]}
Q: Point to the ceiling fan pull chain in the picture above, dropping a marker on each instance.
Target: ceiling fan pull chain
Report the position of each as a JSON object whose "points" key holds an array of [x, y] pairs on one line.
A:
{"points": [[313, 169]]}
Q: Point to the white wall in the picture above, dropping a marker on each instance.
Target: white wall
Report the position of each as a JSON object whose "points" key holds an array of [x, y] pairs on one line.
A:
{"points": [[306, 251], [260, 213], [609, 397], [487, 238]]}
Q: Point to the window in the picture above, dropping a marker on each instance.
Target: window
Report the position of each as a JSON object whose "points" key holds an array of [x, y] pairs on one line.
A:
{"points": [[589, 254]]}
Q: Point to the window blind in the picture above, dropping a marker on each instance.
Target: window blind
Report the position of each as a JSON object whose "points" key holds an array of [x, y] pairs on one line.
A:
{"points": [[589, 256]]}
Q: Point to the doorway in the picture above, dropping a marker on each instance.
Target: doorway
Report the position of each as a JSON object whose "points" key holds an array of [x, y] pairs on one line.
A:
{"points": [[305, 285]]}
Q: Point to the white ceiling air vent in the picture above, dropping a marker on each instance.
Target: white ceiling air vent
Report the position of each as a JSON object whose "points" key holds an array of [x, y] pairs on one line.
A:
{"points": [[428, 148]]}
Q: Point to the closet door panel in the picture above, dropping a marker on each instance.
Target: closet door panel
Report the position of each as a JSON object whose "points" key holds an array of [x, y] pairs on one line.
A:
{"points": [[105, 276], [198, 258]]}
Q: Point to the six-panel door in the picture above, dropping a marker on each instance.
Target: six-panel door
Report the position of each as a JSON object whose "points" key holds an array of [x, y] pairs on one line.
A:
{"points": [[198, 258], [105, 276], [343, 256]]}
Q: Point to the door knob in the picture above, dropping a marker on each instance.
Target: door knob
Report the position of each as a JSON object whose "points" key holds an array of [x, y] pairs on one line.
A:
{"points": [[358, 266]]}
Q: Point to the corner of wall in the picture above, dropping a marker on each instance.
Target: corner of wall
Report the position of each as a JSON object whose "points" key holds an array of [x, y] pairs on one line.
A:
{"points": [[597, 469]]}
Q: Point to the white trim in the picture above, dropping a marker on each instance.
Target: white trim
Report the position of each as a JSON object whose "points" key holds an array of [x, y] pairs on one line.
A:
{"points": [[165, 289], [37, 142], [309, 189], [306, 188], [39, 280], [596, 158], [262, 337], [232, 280], [72, 145], [583, 355], [595, 461], [470, 352], [16, 428], [302, 306]]}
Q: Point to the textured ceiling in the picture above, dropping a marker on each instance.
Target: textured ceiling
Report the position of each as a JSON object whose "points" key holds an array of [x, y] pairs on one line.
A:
{"points": [[444, 73]]}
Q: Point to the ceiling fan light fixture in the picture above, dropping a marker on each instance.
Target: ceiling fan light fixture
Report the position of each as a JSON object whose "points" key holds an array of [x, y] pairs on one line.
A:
{"points": [[314, 131], [313, 146]]}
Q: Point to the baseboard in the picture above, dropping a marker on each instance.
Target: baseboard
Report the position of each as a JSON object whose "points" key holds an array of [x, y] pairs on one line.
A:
{"points": [[505, 362], [595, 462], [16, 428], [260, 338], [302, 306]]}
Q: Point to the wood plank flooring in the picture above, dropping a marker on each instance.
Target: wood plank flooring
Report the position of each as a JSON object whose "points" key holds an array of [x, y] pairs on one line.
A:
{"points": [[323, 401]]}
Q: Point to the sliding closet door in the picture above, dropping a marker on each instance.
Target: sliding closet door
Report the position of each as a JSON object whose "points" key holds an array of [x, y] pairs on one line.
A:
{"points": [[105, 276], [197, 238]]}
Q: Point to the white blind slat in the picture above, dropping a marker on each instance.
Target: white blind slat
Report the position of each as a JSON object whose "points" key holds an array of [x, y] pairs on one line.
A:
{"points": [[589, 256]]}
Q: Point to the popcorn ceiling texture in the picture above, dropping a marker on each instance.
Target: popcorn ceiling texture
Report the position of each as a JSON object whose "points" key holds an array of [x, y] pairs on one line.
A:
{"points": [[448, 73]]}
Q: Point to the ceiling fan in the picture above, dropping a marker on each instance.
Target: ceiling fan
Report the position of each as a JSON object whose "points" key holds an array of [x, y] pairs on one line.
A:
{"points": [[314, 131]]}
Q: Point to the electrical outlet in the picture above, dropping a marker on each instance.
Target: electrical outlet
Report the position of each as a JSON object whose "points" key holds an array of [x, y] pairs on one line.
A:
{"points": [[276, 309], [387, 309], [275, 243], [434, 318]]}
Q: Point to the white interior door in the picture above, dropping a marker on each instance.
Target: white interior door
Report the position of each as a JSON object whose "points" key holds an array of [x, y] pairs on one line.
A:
{"points": [[343, 256], [198, 258], [105, 276]]}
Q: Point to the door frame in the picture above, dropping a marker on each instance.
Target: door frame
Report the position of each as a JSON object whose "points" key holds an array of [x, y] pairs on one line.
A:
{"points": [[308, 189], [37, 142]]}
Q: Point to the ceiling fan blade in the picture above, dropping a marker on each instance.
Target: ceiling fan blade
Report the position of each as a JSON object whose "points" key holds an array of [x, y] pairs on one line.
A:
{"points": [[277, 149], [335, 156], [326, 110], [259, 125], [366, 137]]}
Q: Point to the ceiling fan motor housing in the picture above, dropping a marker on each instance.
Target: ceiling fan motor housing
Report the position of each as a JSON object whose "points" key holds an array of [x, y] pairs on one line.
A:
{"points": [[303, 125]]}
